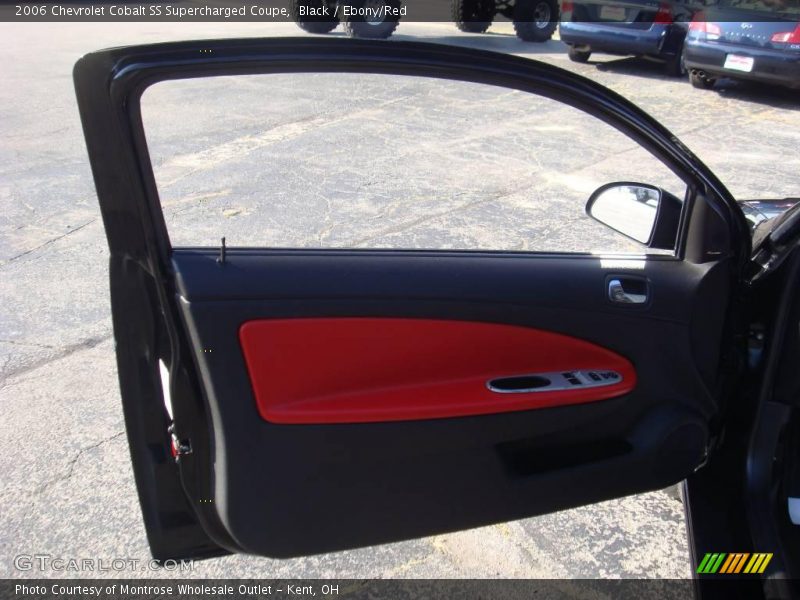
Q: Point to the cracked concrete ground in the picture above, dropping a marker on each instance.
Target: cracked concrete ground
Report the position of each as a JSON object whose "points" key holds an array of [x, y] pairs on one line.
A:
{"points": [[67, 488]]}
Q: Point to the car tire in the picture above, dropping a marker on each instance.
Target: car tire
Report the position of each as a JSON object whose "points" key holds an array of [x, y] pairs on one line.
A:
{"points": [[312, 24], [472, 16], [535, 20], [701, 82], [361, 27], [578, 56], [675, 66]]}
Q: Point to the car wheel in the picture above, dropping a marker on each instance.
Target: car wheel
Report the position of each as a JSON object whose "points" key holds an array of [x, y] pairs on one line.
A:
{"points": [[700, 81], [579, 56], [313, 23], [535, 20], [473, 16], [370, 27], [675, 66]]}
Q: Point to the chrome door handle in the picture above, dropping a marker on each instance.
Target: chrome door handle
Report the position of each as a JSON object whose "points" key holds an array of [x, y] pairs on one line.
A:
{"points": [[617, 293]]}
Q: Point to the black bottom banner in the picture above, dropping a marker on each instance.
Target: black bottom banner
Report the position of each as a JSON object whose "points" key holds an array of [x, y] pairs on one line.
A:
{"points": [[230, 589]]}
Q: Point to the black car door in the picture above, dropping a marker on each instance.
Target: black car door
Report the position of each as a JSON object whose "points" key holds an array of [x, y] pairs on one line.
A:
{"points": [[328, 399]]}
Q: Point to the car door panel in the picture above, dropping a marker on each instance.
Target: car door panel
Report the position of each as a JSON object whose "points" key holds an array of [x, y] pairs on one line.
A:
{"points": [[340, 457], [347, 474]]}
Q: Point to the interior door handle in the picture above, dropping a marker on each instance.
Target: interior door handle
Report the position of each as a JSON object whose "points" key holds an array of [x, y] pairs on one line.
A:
{"points": [[617, 293]]}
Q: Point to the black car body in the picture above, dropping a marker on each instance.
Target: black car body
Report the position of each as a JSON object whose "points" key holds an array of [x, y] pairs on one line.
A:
{"points": [[758, 211], [746, 42], [216, 475], [631, 27]]}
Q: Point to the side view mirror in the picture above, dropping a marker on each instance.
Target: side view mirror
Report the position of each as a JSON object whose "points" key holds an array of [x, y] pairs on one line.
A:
{"points": [[644, 213]]}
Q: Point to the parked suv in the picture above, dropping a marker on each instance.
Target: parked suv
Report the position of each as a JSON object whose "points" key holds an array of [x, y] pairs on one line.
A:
{"points": [[745, 40], [630, 27], [534, 20]]}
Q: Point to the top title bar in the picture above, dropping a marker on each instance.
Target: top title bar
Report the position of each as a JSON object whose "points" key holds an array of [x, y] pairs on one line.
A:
{"points": [[372, 12]]}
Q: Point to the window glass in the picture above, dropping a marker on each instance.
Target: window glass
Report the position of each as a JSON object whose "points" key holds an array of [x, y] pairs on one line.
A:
{"points": [[377, 161]]}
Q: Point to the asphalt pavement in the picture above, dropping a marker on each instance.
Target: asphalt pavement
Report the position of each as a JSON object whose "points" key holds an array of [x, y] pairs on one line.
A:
{"points": [[67, 488]]}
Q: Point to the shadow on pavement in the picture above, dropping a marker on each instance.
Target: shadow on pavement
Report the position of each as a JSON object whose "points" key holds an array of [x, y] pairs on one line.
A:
{"points": [[635, 66], [496, 42], [758, 93]]}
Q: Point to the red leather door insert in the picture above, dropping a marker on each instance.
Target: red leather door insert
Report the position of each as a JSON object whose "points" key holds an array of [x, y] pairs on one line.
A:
{"points": [[358, 370]]}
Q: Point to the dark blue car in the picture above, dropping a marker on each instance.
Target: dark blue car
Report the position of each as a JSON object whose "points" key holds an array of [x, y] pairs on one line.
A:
{"points": [[759, 41], [630, 27]]}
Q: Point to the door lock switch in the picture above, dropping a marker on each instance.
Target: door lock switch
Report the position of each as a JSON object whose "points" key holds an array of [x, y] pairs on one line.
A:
{"points": [[553, 382]]}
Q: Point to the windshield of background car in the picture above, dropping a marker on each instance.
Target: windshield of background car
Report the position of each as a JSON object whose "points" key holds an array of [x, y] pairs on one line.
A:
{"points": [[774, 8]]}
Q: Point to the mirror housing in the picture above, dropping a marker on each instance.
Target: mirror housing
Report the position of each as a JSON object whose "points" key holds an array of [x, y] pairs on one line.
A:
{"points": [[644, 213]]}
